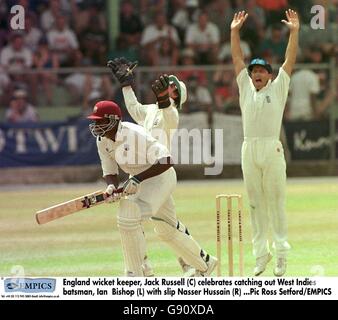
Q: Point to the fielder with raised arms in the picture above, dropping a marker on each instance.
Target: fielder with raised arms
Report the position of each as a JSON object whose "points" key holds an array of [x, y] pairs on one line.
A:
{"points": [[149, 188], [262, 102]]}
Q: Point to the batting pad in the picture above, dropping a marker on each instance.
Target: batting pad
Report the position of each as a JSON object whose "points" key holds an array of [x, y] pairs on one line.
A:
{"points": [[181, 242], [132, 237]]}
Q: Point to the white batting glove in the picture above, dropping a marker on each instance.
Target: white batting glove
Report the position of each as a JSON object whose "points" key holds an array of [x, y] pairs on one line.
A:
{"points": [[112, 195], [131, 186]]}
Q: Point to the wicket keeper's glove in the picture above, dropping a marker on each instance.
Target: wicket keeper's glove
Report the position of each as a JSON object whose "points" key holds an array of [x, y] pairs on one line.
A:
{"points": [[161, 90], [122, 70]]}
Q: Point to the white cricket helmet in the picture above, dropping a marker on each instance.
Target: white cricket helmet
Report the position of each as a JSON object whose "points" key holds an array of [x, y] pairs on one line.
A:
{"points": [[182, 90]]}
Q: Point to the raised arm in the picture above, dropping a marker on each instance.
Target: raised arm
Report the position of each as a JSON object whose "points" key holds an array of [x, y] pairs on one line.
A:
{"points": [[291, 51], [122, 71], [137, 110], [236, 51]]}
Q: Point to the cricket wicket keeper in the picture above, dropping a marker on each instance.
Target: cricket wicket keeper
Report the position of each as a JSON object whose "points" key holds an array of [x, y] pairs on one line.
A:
{"points": [[160, 119]]}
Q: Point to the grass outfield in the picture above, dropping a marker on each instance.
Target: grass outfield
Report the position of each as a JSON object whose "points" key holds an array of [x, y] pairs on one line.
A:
{"points": [[87, 243]]}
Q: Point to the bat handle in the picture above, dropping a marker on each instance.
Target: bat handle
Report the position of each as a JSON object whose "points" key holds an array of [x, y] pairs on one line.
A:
{"points": [[118, 190]]}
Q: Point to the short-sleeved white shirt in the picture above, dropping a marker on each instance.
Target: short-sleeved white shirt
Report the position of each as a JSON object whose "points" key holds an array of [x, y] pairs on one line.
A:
{"points": [[13, 58], [225, 50], [62, 40], [134, 150], [152, 33], [29, 115], [195, 35], [262, 111], [303, 84]]}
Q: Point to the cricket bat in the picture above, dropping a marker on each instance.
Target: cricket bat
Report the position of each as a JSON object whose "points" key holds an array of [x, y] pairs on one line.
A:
{"points": [[71, 206]]}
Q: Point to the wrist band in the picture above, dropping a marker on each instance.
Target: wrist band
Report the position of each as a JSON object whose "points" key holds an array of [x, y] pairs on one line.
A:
{"points": [[136, 179]]}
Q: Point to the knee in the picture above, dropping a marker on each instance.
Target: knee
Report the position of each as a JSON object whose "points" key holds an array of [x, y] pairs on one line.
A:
{"points": [[252, 192], [276, 199], [128, 215], [164, 231], [254, 203]]}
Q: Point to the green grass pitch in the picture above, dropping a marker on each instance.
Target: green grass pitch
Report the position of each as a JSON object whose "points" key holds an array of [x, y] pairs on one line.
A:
{"points": [[87, 243]]}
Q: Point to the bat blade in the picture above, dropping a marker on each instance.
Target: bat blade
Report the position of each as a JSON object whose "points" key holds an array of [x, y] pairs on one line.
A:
{"points": [[69, 207]]}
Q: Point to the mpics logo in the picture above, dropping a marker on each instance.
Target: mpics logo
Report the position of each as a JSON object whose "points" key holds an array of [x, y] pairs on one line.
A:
{"points": [[29, 285]]}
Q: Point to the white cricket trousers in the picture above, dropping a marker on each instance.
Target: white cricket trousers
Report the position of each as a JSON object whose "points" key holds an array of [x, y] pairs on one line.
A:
{"points": [[156, 192], [264, 172], [154, 201], [153, 194]]}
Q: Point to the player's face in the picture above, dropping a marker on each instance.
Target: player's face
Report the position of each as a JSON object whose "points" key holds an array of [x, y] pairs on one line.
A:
{"points": [[173, 92], [260, 77], [103, 128], [102, 122]]}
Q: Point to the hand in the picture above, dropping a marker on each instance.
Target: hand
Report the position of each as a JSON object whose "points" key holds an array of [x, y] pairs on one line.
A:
{"points": [[293, 21], [238, 20], [112, 195], [113, 65], [122, 70], [117, 62], [114, 198], [130, 186], [124, 75], [161, 89]]}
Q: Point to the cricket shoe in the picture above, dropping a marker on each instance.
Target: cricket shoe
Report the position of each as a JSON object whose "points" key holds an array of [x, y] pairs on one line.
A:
{"points": [[280, 267], [211, 263], [147, 268], [186, 268], [261, 264]]}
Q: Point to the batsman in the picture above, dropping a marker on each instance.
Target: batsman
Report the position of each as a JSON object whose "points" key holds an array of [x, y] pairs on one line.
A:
{"points": [[262, 102], [152, 180]]}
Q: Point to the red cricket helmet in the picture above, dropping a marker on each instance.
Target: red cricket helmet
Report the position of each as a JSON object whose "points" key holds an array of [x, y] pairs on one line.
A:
{"points": [[106, 109]]}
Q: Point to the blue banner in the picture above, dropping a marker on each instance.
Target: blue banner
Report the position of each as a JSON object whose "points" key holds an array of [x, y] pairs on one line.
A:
{"points": [[47, 144], [310, 140]]}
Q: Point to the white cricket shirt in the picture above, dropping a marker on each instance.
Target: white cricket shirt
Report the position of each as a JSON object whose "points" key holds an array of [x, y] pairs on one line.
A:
{"points": [[134, 150], [303, 84], [262, 111]]}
